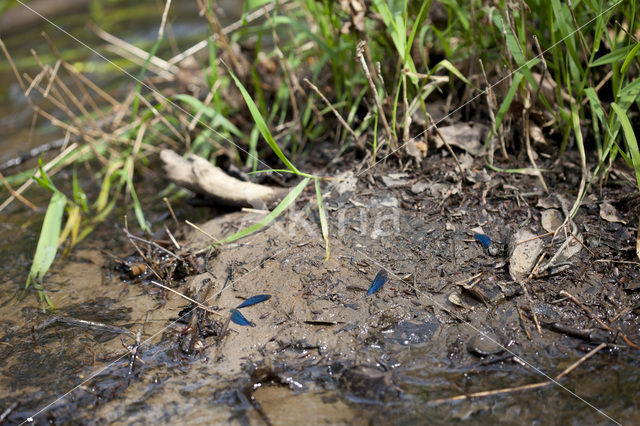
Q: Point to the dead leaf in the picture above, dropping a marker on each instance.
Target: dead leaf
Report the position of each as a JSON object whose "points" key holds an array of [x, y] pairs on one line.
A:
{"points": [[468, 137], [523, 255], [443, 191], [536, 135], [456, 300], [419, 187], [610, 214], [551, 220], [395, 180], [413, 148], [348, 184]]}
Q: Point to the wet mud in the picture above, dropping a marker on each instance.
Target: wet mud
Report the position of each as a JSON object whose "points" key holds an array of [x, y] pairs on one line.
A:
{"points": [[450, 320]]}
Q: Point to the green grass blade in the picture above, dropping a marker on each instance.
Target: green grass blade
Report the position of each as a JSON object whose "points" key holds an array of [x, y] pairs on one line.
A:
{"points": [[629, 59], [453, 70], [217, 118], [136, 100], [630, 137], [137, 208], [47, 243], [262, 126], [611, 57], [323, 219], [290, 198]]}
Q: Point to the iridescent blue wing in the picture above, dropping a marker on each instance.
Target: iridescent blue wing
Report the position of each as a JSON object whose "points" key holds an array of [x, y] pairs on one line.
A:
{"points": [[483, 239], [239, 319], [378, 282], [254, 300]]}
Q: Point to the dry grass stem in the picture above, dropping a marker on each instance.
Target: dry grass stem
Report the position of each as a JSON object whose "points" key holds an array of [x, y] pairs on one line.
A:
{"points": [[336, 113], [359, 54]]}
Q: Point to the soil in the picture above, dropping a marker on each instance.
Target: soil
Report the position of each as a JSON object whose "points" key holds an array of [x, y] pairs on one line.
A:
{"points": [[450, 320]]}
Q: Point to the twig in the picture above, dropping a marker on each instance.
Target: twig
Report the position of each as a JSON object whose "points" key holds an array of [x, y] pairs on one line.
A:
{"points": [[15, 194], [497, 131], [197, 228], [237, 61], [198, 304], [582, 244], [160, 66], [444, 141], [173, 215], [593, 316], [152, 243], [534, 238], [46, 168], [171, 237], [361, 46], [336, 113], [468, 279], [8, 411]]}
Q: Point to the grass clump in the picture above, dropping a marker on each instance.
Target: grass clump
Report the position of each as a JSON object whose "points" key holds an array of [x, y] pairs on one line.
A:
{"points": [[542, 72]]}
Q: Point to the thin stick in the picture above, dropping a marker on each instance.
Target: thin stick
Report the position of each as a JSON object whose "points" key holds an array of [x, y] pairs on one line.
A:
{"points": [[238, 61], [468, 279], [163, 68], [46, 168], [151, 243], [582, 244], [534, 238], [171, 237], [361, 46], [336, 113], [585, 357], [196, 227], [15, 194], [444, 141], [198, 304], [12, 65], [91, 85], [173, 215], [593, 316]]}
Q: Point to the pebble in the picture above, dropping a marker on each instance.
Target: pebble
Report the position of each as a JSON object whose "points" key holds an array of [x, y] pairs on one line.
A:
{"points": [[485, 344]]}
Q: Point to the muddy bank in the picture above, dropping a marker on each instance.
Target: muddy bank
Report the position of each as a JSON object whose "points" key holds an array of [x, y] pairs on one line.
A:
{"points": [[320, 346]]}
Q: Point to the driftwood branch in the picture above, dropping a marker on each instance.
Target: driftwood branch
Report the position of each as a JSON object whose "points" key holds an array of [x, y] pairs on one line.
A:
{"points": [[200, 176]]}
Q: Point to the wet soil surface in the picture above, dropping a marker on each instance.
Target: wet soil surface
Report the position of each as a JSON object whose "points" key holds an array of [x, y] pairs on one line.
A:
{"points": [[454, 317]]}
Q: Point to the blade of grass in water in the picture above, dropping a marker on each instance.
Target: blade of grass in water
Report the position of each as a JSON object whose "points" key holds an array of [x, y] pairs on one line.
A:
{"points": [[47, 244]]}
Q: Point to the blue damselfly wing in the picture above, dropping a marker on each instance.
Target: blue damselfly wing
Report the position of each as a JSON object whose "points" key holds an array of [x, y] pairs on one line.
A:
{"points": [[483, 239], [254, 300], [378, 282], [239, 319]]}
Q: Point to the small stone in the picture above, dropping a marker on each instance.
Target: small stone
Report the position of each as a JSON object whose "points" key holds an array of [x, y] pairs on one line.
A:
{"points": [[485, 344]]}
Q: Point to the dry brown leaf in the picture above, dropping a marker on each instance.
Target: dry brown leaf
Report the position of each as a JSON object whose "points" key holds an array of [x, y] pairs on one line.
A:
{"points": [[536, 135], [523, 255], [551, 220], [610, 214], [464, 136]]}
